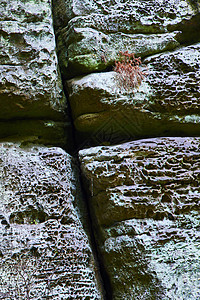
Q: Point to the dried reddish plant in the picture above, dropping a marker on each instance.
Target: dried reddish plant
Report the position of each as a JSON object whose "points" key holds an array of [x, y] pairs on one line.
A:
{"points": [[129, 73]]}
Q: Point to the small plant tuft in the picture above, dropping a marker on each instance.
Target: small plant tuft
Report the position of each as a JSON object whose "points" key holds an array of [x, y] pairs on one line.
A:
{"points": [[129, 74]]}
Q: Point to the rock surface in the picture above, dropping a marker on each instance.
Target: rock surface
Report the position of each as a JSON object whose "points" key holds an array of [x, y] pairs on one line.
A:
{"points": [[144, 201], [45, 132], [30, 83], [91, 33], [44, 247], [166, 103], [144, 195]]}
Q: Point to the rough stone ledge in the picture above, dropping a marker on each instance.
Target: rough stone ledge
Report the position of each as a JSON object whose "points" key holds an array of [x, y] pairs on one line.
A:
{"points": [[90, 34], [30, 83], [165, 104], [45, 132], [144, 200]]}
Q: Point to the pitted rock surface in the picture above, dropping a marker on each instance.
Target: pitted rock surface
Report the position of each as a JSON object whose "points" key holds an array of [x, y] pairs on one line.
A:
{"points": [[159, 14], [175, 80], [44, 249], [144, 200], [91, 33], [166, 103], [30, 82], [89, 50]]}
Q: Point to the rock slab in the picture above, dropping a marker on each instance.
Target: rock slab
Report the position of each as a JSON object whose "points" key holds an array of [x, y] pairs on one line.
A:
{"points": [[90, 34], [144, 200], [30, 82], [45, 251], [165, 104]]}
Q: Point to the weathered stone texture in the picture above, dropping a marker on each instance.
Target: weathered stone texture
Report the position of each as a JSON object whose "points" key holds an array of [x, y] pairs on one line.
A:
{"points": [[137, 15], [91, 33], [44, 247], [144, 201], [30, 82], [174, 79], [166, 103]]}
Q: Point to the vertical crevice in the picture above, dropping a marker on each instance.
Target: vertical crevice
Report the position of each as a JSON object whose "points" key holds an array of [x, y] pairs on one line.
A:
{"points": [[68, 112], [101, 274], [103, 277]]}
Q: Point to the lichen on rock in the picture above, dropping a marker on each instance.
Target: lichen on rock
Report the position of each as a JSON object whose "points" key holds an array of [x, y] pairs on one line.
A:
{"points": [[165, 104], [90, 34], [30, 81]]}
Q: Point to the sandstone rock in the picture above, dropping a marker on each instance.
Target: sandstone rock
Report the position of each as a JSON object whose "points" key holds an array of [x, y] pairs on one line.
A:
{"points": [[124, 16], [91, 33], [174, 78], [144, 201], [30, 84], [92, 50], [46, 132], [44, 247], [166, 103]]}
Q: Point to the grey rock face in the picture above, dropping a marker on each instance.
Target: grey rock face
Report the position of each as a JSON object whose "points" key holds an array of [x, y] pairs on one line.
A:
{"points": [[144, 200], [174, 78], [44, 247], [30, 83], [166, 103], [144, 15], [91, 33]]}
